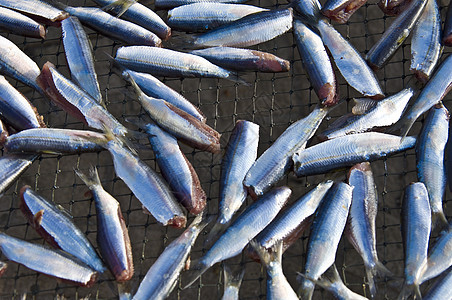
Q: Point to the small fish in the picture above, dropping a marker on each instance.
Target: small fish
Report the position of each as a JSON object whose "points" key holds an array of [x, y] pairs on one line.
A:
{"points": [[50, 262], [79, 56], [316, 63], [167, 4], [232, 282], [203, 16], [430, 149], [112, 235], [395, 35], [384, 113], [308, 9], [277, 285], [326, 231], [139, 14], [36, 8], [441, 289], [3, 267], [439, 257], [416, 225], [239, 59], [447, 32], [161, 278], [276, 161], [348, 150], [255, 218], [341, 10], [76, 101], [393, 7], [15, 63], [54, 140], [57, 228], [13, 165], [360, 229], [20, 24], [250, 30], [16, 109]]}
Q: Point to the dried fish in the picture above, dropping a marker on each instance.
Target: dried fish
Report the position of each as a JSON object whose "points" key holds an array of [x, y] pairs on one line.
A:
{"points": [[232, 282], [167, 4], [12, 166], [20, 24], [36, 8]]}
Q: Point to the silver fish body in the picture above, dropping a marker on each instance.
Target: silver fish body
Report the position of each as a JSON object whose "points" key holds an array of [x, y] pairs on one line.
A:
{"points": [[54, 140], [341, 10], [316, 63], [20, 24], [347, 151], [167, 4], [276, 161], [57, 228], [395, 35], [203, 16], [12, 166], [239, 59], [37, 8], [426, 42], [232, 282], [441, 289], [50, 262], [439, 257], [248, 31], [79, 56], [308, 9]]}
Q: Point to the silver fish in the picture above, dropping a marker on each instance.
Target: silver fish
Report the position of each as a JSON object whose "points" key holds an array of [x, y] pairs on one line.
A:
{"points": [[447, 32], [439, 257], [316, 63], [308, 9], [20, 24], [50, 262], [385, 113], [232, 282], [276, 161], [248, 31], [12, 166], [79, 56], [395, 35], [161, 278], [441, 289], [326, 232], [203, 16], [416, 225], [167, 4], [37, 8], [360, 228], [341, 10], [430, 160], [255, 218], [348, 150], [426, 42]]}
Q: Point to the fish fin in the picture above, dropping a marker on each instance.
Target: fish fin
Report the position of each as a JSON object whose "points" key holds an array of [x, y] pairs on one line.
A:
{"points": [[378, 270], [119, 7], [439, 221], [363, 105], [403, 126], [306, 290], [232, 278], [268, 255], [110, 136], [124, 290], [214, 233], [235, 77], [90, 180], [407, 290], [37, 218], [195, 272], [136, 135]]}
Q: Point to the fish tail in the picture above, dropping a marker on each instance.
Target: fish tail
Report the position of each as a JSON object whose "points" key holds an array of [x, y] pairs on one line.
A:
{"points": [[306, 289], [119, 6], [215, 233], [407, 290], [90, 180], [124, 290], [439, 221], [235, 77], [200, 222], [232, 278], [195, 272], [268, 256], [403, 127]]}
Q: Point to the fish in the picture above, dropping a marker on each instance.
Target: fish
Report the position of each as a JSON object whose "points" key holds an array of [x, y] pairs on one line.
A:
{"points": [[360, 229], [326, 231], [316, 63], [276, 161], [250, 30], [240, 154], [180, 124], [447, 31], [112, 234], [13, 165], [153, 87], [47, 261], [79, 56], [430, 160], [161, 278], [348, 150], [252, 221], [384, 113], [394, 36], [139, 14], [416, 225], [15, 63], [439, 257], [393, 7], [20, 24], [238, 59], [3, 267], [113, 27], [57, 228], [341, 10], [309, 10], [168, 4], [204, 16], [37, 8], [441, 289], [176, 169], [76, 101], [54, 141], [16, 109], [232, 282], [277, 285]]}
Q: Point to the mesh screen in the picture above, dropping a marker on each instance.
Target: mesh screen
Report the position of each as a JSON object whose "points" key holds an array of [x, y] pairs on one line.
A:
{"points": [[274, 101]]}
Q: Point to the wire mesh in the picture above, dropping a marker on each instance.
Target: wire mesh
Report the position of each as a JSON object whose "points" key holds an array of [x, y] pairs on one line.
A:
{"points": [[274, 101]]}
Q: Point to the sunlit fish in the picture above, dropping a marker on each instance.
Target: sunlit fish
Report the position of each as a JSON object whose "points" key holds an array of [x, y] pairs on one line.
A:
{"points": [[20, 24], [161, 278], [50, 262], [79, 56], [393, 7], [248, 31], [36, 8], [232, 282], [341, 10], [203, 16], [239, 59], [112, 234], [447, 32], [57, 228], [348, 150], [308, 9], [167, 4], [441, 289], [326, 232], [13, 165]]}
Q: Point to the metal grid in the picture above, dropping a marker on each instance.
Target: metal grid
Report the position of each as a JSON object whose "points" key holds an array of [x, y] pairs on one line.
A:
{"points": [[274, 101]]}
